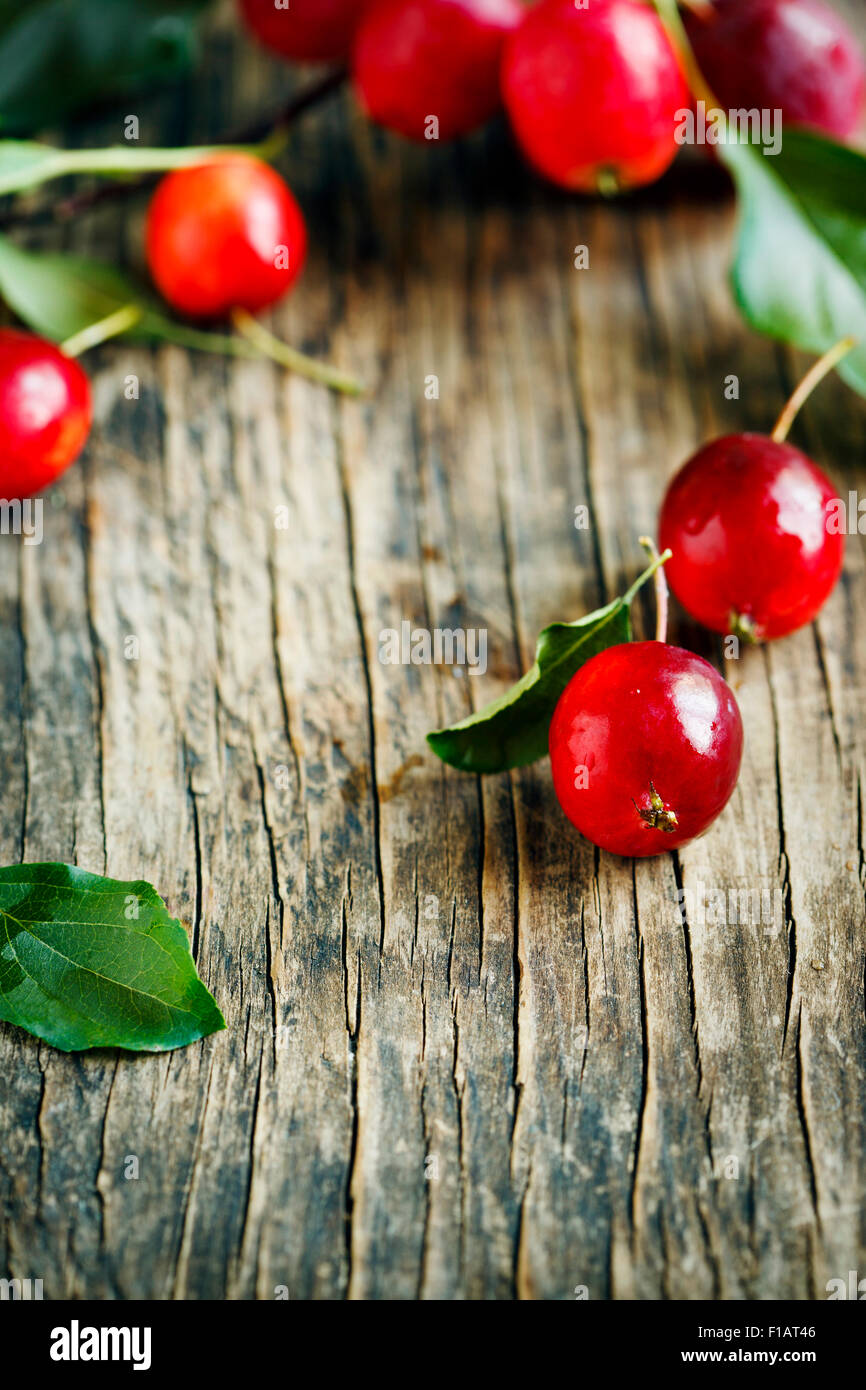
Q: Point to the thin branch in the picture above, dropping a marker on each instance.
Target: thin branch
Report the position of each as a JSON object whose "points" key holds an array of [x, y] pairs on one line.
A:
{"points": [[271, 129]]}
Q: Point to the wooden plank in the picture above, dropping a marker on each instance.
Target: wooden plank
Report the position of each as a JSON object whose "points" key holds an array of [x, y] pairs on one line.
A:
{"points": [[467, 1056]]}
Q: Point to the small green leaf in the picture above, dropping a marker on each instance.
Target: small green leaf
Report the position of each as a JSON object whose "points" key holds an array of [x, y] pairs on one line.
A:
{"points": [[800, 269], [88, 962], [80, 303], [62, 296], [512, 731], [59, 295]]}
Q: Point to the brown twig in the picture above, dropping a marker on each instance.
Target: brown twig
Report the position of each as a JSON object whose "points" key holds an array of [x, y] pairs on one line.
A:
{"points": [[68, 208]]}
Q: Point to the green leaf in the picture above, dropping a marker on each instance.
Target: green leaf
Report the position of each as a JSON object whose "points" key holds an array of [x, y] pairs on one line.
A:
{"points": [[800, 269], [80, 303], [512, 731], [58, 56], [60, 296], [87, 962]]}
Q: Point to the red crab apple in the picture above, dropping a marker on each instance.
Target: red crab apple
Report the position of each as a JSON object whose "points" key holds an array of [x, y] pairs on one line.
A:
{"points": [[645, 747], [224, 235], [747, 521], [45, 413], [593, 93], [304, 30], [797, 56], [429, 69]]}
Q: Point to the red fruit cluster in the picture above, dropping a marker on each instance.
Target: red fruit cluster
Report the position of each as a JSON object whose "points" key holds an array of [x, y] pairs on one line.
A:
{"points": [[796, 56], [593, 91], [646, 740]]}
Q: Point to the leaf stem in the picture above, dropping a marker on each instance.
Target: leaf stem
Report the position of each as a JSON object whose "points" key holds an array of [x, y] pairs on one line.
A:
{"points": [[813, 378], [95, 333], [289, 357], [266, 139], [661, 586]]}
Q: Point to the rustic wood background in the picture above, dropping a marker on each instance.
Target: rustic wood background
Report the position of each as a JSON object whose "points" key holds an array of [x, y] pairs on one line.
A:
{"points": [[467, 1055]]}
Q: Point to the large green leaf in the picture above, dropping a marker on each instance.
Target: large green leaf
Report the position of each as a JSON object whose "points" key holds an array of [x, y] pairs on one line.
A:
{"points": [[87, 962], [800, 269], [57, 56]]}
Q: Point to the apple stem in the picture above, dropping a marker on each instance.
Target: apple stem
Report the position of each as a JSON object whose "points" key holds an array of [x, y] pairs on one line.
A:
{"points": [[289, 357], [669, 14], [656, 816], [661, 587], [816, 374], [607, 181]]}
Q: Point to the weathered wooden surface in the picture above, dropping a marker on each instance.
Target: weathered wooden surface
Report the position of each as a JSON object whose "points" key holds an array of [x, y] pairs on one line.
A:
{"points": [[467, 1055]]}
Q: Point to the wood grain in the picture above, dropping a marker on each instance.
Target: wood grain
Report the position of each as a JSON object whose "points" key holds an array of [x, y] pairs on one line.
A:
{"points": [[467, 1055]]}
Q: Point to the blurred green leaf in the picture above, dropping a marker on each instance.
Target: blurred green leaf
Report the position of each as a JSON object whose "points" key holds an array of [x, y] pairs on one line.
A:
{"points": [[60, 296], [70, 297], [58, 56], [24, 163], [800, 268]]}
